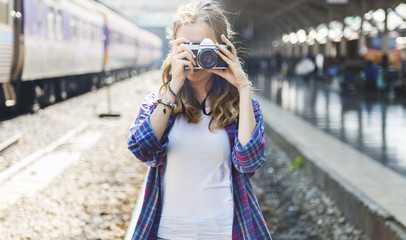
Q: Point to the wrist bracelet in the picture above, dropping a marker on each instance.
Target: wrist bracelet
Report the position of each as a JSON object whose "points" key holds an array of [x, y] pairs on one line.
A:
{"points": [[173, 105], [177, 96], [171, 91], [169, 104], [249, 83]]}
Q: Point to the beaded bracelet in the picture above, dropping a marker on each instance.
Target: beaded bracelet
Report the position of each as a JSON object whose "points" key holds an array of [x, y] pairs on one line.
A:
{"points": [[169, 104], [173, 105]]}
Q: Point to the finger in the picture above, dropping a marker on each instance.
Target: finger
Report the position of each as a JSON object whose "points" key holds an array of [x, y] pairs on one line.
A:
{"points": [[179, 41], [186, 55], [219, 72], [183, 48], [189, 64], [228, 43], [225, 52], [225, 58]]}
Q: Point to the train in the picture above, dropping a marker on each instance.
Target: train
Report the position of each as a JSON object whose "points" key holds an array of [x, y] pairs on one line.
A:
{"points": [[53, 49]]}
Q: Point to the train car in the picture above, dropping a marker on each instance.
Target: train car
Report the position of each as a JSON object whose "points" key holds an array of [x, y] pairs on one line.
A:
{"points": [[50, 49], [7, 16], [61, 38], [52, 41], [120, 45], [150, 50], [127, 45]]}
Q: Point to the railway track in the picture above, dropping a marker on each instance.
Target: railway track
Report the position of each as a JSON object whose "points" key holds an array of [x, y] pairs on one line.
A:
{"points": [[26, 162], [9, 142], [79, 182]]}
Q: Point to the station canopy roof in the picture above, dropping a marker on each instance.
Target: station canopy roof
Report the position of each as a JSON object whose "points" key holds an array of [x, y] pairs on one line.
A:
{"points": [[276, 17]]}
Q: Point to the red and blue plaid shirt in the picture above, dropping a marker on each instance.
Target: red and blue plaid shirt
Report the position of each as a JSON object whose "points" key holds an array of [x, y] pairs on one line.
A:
{"points": [[248, 222]]}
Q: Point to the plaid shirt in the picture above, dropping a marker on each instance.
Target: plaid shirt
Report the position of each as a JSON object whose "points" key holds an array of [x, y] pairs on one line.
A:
{"points": [[248, 222]]}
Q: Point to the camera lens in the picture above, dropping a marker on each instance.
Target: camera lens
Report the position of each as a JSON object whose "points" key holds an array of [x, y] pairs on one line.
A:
{"points": [[207, 58]]}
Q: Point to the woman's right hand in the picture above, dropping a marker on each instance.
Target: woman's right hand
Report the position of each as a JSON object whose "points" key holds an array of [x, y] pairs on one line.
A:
{"points": [[181, 57]]}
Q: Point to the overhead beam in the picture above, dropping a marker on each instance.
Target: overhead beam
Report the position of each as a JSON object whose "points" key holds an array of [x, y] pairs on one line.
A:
{"points": [[275, 17], [282, 10]]}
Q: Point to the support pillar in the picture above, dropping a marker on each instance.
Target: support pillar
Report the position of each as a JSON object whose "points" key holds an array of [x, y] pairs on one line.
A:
{"points": [[361, 41], [343, 45], [385, 35], [305, 50], [316, 48], [328, 51], [296, 51]]}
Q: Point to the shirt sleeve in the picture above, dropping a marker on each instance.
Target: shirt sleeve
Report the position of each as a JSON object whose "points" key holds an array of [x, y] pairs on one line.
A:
{"points": [[142, 141], [251, 156]]}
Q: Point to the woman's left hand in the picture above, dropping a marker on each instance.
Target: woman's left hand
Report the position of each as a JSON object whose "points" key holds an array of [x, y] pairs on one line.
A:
{"points": [[234, 72]]}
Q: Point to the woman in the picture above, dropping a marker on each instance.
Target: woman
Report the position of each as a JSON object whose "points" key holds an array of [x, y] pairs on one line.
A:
{"points": [[203, 138]]}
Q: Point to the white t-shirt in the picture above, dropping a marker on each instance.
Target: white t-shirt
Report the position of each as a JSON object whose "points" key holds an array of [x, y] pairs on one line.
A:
{"points": [[197, 191]]}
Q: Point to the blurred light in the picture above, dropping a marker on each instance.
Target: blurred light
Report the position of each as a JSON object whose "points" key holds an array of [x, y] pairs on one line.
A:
{"points": [[367, 27], [310, 41], [332, 34], [401, 40], [401, 10], [368, 15], [285, 38], [336, 25], [394, 21], [350, 34], [301, 35], [312, 34], [322, 34], [353, 22], [293, 38], [275, 44], [379, 15]]}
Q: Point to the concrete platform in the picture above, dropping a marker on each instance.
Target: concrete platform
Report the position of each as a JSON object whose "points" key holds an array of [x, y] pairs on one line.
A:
{"points": [[370, 195]]}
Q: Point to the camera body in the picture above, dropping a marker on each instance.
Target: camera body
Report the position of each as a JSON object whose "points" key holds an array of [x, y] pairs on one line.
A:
{"points": [[206, 55]]}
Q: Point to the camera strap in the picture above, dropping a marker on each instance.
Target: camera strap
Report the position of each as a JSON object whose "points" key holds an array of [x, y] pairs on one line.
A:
{"points": [[203, 105]]}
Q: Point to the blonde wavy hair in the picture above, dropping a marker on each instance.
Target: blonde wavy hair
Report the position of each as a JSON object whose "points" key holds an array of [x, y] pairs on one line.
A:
{"points": [[224, 97]]}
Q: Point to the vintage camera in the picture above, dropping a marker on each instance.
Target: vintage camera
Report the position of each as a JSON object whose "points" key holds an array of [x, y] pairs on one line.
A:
{"points": [[206, 55]]}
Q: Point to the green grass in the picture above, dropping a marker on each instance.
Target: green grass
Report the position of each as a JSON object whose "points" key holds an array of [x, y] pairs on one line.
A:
{"points": [[297, 163]]}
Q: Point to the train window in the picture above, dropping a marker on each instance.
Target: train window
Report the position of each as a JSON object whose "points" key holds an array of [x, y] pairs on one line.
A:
{"points": [[88, 30], [73, 28], [59, 25], [78, 29], [41, 18], [51, 23], [120, 38], [83, 29], [98, 34], [4, 11], [92, 31]]}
